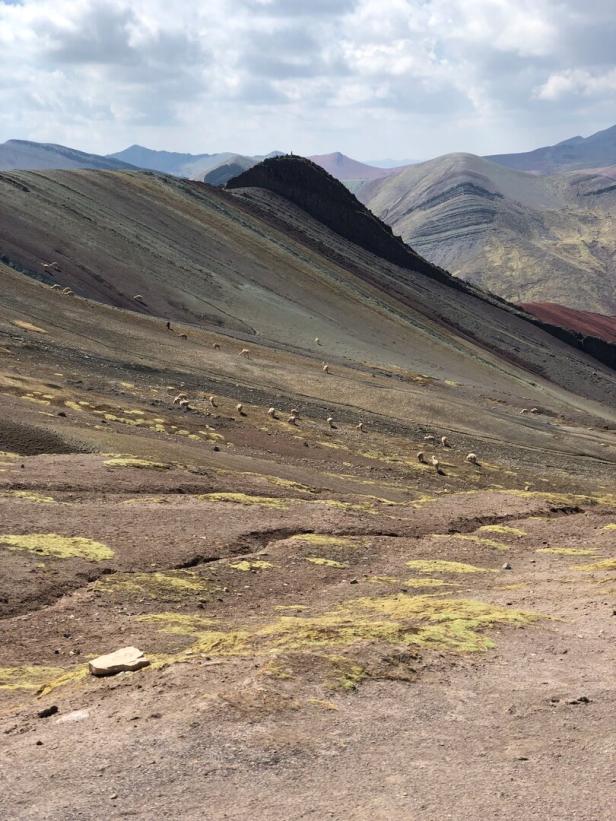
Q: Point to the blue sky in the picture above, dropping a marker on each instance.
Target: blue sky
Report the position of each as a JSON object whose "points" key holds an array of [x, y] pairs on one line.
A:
{"points": [[372, 78]]}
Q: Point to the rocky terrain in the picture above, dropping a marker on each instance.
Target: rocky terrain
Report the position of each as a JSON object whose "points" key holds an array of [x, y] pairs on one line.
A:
{"points": [[527, 238], [335, 627]]}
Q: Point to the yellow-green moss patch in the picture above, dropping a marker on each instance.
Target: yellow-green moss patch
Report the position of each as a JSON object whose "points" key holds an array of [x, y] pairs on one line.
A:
{"points": [[567, 551], [394, 621], [245, 499], [31, 496], [419, 583], [609, 527], [26, 678], [135, 462], [605, 564], [245, 565], [62, 547], [326, 562], [442, 566], [174, 585], [28, 326], [65, 677], [324, 540], [504, 529]]}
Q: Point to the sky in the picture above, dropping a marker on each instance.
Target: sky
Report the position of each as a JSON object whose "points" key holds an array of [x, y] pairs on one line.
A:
{"points": [[375, 79]]}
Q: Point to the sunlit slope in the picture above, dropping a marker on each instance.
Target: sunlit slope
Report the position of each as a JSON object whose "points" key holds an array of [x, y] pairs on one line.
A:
{"points": [[525, 237], [253, 265]]}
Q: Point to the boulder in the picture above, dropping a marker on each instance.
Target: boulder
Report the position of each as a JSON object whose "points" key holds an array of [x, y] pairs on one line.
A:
{"points": [[125, 659]]}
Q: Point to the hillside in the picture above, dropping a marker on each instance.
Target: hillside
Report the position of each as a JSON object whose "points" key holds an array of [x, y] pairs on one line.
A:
{"points": [[322, 611], [24, 155], [585, 322], [346, 169], [169, 162], [525, 237], [595, 151], [213, 168]]}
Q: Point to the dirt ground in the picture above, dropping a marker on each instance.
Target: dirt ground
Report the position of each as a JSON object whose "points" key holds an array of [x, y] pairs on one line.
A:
{"points": [[335, 629]]}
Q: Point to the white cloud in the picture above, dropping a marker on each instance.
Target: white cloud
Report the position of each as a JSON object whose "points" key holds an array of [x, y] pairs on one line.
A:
{"points": [[370, 77], [578, 82]]}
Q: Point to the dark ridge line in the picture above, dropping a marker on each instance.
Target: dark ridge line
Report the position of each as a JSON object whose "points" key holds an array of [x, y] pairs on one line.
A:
{"points": [[322, 196]]}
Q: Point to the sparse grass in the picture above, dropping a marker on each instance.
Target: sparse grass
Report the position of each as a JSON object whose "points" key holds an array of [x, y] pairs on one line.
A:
{"points": [[61, 547], [491, 543], [323, 540], [246, 566], [326, 562], [135, 462], [26, 678], [245, 499], [442, 566], [504, 529], [567, 551], [31, 496], [421, 583], [604, 564], [394, 621], [65, 677], [28, 326], [174, 585]]}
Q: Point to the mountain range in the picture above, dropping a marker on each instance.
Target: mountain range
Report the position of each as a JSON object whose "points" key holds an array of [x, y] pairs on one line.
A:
{"points": [[573, 154], [526, 237], [529, 237]]}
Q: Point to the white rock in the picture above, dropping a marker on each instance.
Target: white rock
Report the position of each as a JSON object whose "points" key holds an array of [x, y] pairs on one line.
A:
{"points": [[127, 658], [76, 715]]}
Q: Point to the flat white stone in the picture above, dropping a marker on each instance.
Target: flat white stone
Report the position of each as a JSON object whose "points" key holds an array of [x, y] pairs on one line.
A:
{"points": [[76, 715], [125, 659]]}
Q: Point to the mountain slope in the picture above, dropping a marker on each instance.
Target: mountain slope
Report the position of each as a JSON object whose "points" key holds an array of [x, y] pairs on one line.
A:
{"points": [[325, 588], [169, 162], [595, 151], [525, 237], [585, 322], [346, 169], [31, 156], [191, 166], [251, 263]]}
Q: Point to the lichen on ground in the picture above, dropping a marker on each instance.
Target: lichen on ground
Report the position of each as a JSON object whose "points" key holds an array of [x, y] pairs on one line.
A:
{"points": [[505, 529], [605, 564], [567, 551], [135, 462], [61, 547], [246, 565], [326, 562], [442, 566], [174, 585], [26, 678], [324, 540], [401, 620], [245, 499], [30, 496]]}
